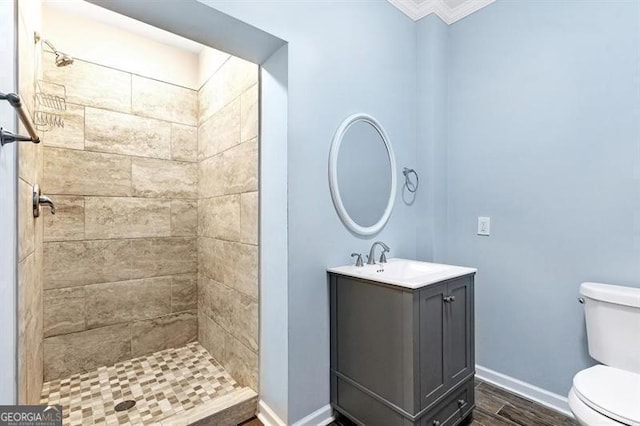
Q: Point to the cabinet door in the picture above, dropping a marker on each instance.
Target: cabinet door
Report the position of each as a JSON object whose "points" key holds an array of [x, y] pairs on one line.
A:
{"points": [[432, 344], [459, 331]]}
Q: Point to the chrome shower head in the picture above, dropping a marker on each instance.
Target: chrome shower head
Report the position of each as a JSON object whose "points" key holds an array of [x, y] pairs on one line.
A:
{"points": [[62, 59]]}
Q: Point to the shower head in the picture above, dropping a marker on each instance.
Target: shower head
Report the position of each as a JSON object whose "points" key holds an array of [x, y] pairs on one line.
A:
{"points": [[62, 59]]}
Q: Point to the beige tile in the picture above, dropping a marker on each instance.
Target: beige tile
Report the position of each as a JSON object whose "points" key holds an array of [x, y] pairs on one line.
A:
{"points": [[90, 84], [210, 177], [246, 269], [64, 311], [100, 347], [157, 99], [240, 168], [230, 263], [219, 217], [249, 215], [29, 329], [184, 292], [72, 134], [73, 172], [28, 154], [171, 331], [184, 142], [215, 300], [241, 362], [184, 218], [114, 303], [155, 257], [68, 222], [244, 319], [26, 221], [164, 178], [221, 131], [249, 116], [212, 337], [118, 133], [74, 263], [237, 413], [112, 217], [231, 79]]}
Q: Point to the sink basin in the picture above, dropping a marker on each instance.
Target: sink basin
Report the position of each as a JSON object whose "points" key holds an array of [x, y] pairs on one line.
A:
{"points": [[404, 272]]}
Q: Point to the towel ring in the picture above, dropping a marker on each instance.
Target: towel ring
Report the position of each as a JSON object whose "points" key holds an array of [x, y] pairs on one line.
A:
{"points": [[411, 186]]}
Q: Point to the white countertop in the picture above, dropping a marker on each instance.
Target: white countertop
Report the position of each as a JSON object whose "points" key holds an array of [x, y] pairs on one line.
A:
{"points": [[406, 273]]}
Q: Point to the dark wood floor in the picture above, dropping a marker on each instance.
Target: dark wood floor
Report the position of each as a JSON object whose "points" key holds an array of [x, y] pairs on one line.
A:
{"points": [[496, 407]]}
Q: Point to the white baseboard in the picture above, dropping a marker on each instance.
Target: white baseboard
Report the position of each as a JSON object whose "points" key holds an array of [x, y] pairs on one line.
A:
{"points": [[267, 416], [543, 397], [321, 417]]}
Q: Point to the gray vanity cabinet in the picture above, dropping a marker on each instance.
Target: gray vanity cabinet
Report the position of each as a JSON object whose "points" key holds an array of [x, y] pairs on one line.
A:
{"points": [[401, 356]]}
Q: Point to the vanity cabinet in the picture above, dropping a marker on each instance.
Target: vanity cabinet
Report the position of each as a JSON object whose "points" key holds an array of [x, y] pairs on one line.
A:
{"points": [[402, 356]]}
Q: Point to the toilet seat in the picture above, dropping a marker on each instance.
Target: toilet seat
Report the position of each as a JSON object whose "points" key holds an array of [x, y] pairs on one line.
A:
{"points": [[610, 391]]}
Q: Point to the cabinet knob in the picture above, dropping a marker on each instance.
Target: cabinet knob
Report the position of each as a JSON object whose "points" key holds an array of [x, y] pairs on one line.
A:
{"points": [[449, 299], [436, 423], [461, 403]]}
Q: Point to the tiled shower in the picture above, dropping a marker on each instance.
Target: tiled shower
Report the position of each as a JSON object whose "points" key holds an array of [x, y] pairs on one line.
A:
{"points": [[154, 244]]}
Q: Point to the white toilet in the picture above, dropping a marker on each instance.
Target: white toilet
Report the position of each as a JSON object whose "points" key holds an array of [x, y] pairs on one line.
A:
{"points": [[609, 394]]}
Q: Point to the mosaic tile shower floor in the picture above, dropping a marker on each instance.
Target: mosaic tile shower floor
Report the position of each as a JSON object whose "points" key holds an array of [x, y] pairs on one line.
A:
{"points": [[166, 386]]}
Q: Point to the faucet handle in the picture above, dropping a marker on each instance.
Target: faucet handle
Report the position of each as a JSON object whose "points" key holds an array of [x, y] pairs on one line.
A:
{"points": [[359, 262]]}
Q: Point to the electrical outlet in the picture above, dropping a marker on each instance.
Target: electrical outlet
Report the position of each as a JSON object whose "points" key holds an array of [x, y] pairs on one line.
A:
{"points": [[484, 226]]}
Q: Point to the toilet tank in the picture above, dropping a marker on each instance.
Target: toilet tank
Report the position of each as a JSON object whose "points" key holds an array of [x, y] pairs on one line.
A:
{"points": [[612, 315]]}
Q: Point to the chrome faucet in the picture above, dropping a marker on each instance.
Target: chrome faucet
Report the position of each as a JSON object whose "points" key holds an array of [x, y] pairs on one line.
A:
{"points": [[371, 258]]}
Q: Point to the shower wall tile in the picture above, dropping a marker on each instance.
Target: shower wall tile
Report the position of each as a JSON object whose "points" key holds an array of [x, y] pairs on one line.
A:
{"points": [[68, 222], [125, 301], [231, 263], [221, 131], [84, 351], [26, 221], [29, 326], [246, 267], [184, 142], [219, 217], [184, 218], [72, 134], [215, 301], [64, 311], [74, 172], [164, 178], [212, 337], [249, 217], [249, 115], [111, 217], [240, 168], [210, 176], [76, 263], [118, 133], [184, 292], [170, 331], [163, 256], [244, 319], [90, 84], [149, 98], [241, 362], [234, 77]]}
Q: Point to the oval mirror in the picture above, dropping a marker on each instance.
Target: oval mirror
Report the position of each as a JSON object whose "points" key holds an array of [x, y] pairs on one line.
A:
{"points": [[362, 174]]}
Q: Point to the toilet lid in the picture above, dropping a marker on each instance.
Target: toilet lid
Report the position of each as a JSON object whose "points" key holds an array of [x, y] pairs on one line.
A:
{"points": [[610, 391]]}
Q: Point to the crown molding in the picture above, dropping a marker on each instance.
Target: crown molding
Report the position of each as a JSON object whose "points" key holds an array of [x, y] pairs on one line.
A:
{"points": [[449, 15]]}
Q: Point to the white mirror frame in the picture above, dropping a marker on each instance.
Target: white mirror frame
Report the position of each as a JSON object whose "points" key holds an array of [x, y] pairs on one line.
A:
{"points": [[333, 175]]}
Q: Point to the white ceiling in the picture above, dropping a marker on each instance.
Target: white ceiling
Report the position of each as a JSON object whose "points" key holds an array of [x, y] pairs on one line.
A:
{"points": [[97, 13], [449, 11]]}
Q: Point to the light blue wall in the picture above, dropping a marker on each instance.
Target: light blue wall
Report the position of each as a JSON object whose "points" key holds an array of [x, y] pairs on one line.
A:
{"points": [[543, 136], [431, 200], [344, 57]]}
